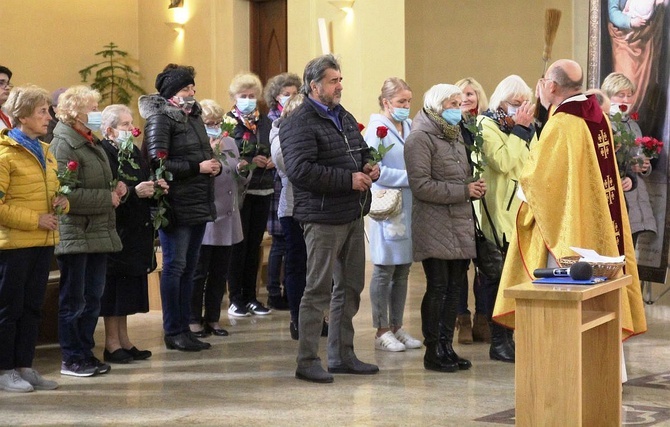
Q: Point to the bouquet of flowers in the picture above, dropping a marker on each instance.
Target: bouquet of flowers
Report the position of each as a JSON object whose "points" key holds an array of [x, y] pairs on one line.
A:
{"points": [[651, 147], [470, 123], [228, 125], [67, 178], [624, 142]]}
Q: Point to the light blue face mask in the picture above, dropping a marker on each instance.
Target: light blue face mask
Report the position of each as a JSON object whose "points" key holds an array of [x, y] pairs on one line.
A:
{"points": [[283, 100], [214, 132], [246, 105], [452, 115], [94, 120], [400, 114], [511, 110]]}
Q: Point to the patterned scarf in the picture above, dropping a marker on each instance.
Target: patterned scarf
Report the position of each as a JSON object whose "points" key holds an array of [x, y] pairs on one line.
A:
{"points": [[505, 122], [32, 145], [450, 132], [248, 120]]}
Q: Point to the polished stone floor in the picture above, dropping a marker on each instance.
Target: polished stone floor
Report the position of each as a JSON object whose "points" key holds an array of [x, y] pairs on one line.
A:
{"points": [[247, 379]]}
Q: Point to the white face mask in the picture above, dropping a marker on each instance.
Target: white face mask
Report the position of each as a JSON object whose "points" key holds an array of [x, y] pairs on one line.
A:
{"points": [[615, 107], [123, 136], [511, 110], [283, 99]]}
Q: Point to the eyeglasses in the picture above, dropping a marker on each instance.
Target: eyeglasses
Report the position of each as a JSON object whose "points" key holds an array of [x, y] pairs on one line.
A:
{"points": [[4, 84]]}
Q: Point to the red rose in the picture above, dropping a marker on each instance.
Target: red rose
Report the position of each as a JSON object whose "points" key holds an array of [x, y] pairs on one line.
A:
{"points": [[72, 165], [136, 132], [161, 155], [225, 133], [246, 136], [635, 116], [623, 108], [361, 126], [382, 131], [473, 112]]}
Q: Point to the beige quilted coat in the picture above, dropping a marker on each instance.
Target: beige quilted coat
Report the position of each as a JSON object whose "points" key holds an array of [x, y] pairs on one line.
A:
{"points": [[442, 221]]}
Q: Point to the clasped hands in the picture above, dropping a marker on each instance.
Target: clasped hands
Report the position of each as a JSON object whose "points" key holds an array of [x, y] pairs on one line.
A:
{"points": [[362, 181]]}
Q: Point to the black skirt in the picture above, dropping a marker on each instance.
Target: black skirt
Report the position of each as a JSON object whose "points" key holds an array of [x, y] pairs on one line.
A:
{"points": [[125, 295]]}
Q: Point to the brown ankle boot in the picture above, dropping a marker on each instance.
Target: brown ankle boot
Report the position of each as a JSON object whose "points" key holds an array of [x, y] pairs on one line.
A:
{"points": [[464, 326], [480, 329]]}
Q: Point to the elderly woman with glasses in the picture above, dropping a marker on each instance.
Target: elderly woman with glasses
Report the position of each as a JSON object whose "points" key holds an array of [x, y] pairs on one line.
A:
{"points": [[28, 233], [443, 232], [88, 231]]}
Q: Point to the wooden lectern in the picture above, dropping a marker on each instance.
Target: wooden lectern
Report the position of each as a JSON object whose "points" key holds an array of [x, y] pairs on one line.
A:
{"points": [[568, 353]]}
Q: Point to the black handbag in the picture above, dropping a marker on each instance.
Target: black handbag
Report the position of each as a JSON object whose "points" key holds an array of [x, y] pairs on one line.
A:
{"points": [[490, 255]]}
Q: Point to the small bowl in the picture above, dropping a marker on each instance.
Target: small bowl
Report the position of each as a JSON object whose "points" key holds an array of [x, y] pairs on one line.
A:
{"points": [[600, 269]]}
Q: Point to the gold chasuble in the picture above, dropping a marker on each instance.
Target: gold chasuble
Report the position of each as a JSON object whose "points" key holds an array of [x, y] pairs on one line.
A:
{"points": [[574, 198]]}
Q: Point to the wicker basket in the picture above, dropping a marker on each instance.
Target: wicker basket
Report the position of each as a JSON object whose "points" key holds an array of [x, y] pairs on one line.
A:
{"points": [[600, 269]]}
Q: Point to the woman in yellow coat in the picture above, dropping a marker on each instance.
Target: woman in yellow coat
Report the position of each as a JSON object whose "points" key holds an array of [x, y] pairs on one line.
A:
{"points": [[28, 233], [508, 133]]}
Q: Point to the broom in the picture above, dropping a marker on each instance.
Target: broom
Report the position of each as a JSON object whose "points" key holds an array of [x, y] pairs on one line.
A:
{"points": [[552, 17]]}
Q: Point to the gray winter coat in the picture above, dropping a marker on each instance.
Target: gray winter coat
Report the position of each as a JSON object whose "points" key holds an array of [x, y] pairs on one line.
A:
{"points": [[438, 172], [90, 225]]}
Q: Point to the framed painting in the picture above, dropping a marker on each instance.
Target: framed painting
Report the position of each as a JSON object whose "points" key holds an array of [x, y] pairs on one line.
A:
{"points": [[632, 37]]}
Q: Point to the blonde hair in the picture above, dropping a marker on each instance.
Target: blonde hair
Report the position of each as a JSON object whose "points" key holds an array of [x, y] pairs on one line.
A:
{"points": [[23, 100], [292, 104], [391, 86], [211, 110], [482, 99], [616, 82], [245, 81], [73, 102]]}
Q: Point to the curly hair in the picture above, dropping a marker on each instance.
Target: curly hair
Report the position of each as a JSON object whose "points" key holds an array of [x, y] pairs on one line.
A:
{"points": [[73, 102], [276, 84], [245, 81]]}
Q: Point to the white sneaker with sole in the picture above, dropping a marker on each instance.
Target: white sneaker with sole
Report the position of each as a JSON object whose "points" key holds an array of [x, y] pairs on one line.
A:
{"points": [[36, 380], [405, 338], [388, 342], [10, 380]]}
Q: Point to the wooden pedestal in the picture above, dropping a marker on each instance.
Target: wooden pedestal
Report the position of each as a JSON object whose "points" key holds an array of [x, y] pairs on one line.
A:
{"points": [[568, 354]]}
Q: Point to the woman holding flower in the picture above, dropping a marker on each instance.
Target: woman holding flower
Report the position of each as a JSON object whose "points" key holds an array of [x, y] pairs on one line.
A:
{"points": [[28, 233], [126, 288], [391, 239], [474, 103], [220, 236], [88, 230], [621, 92], [443, 232], [178, 148], [252, 136], [508, 133]]}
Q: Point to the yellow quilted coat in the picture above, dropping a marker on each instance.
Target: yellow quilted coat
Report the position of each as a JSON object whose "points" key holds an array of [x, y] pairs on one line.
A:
{"points": [[26, 191]]}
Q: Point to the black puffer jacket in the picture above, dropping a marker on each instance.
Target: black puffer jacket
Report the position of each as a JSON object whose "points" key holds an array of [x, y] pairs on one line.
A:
{"points": [[259, 143], [320, 160], [184, 139]]}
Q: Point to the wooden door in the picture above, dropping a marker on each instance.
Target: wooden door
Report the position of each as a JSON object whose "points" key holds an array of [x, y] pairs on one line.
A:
{"points": [[268, 38]]}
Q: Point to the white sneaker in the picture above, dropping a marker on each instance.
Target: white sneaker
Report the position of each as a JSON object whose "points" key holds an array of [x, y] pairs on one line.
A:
{"points": [[388, 342], [36, 380], [11, 381], [405, 338]]}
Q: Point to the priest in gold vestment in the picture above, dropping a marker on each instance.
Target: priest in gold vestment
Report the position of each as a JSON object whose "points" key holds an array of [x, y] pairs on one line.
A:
{"points": [[572, 196]]}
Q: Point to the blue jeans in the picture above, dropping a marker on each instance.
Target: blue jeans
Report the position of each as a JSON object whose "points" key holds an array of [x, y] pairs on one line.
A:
{"points": [[388, 292], [82, 282], [295, 264], [23, 281], [181, 247]]}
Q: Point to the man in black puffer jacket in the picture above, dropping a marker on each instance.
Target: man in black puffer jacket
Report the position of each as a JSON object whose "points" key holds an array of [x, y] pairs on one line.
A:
{"points": [[326, 160]]}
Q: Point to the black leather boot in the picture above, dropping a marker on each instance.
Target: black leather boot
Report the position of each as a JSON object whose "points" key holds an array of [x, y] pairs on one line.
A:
{"points": [[446, 345], [500, 346], [510, 337], [435, 360]]}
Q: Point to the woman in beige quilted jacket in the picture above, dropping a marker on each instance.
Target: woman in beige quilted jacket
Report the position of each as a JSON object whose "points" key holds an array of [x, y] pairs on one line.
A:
{"points": [[443, 231]]}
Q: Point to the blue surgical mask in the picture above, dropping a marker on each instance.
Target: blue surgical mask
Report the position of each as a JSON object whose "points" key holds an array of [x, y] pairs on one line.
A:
{"points": [[452, 115], [283, 100], [94, 120], [511, 110], [214, 132], [123, 136], [400, 114], [246, 105]]}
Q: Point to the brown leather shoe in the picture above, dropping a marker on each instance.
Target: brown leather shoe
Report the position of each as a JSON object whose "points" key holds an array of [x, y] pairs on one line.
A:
{"points": [[464, 326]]}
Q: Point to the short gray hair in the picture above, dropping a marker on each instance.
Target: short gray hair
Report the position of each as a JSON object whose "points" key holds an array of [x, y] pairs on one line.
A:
{"points": [[276, 84], [316, 69], [436, 95], [111, 116], [510, 87]]}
